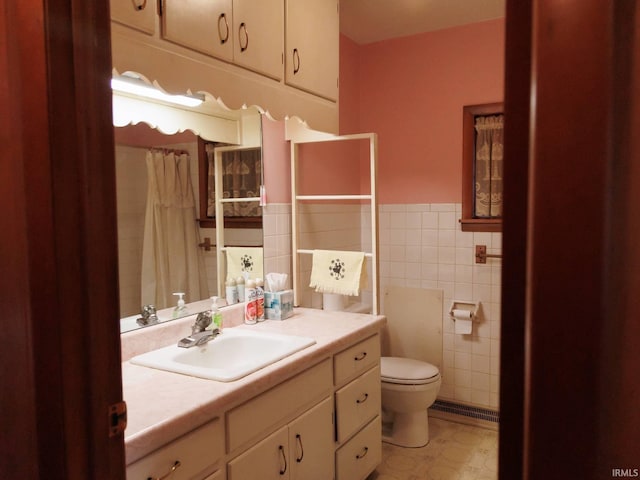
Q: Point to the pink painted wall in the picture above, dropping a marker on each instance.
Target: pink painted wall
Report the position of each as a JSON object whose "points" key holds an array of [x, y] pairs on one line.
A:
{"points": [[276, 155], [411, 92]]}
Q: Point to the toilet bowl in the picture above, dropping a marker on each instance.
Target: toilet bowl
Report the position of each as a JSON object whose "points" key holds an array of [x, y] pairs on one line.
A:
{"points": [[409, 388]]}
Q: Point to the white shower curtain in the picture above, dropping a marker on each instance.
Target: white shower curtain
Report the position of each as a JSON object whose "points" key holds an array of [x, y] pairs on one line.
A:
{"points": [[171, 259]]}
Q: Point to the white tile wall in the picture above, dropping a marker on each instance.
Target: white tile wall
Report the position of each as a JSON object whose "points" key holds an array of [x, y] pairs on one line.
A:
{"points": [[421, 245], [276, 222]]}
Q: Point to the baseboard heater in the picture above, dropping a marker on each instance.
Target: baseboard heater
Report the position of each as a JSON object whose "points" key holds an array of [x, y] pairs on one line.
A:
{"points": [[467, 411]]}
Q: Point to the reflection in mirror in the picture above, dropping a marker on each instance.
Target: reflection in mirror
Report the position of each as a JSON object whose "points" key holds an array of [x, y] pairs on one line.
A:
{"points": [[158, 187]]}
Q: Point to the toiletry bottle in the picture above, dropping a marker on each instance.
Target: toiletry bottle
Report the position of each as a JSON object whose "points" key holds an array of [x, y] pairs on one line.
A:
{"points": [[181, 309], [250, 302], [259, 300], [232, 291], [215, 314], [240, 287]]}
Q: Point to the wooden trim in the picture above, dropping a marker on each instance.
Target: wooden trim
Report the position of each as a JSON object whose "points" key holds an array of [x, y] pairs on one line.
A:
{"points": [[514, 238], [62, 338], [579, 416], [468, 222], [481, 224], [232, 222]]}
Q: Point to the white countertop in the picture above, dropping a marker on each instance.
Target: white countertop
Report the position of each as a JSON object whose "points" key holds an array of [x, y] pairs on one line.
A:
{"points": [[162, 406]]}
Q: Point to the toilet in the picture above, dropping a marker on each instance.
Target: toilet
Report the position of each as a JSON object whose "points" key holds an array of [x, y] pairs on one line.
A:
{"points": [[411, 356], [410, 381], [409, 388]]}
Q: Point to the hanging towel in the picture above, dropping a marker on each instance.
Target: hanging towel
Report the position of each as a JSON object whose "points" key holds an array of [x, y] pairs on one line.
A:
{"points": [[338, 272], [244, 259]]}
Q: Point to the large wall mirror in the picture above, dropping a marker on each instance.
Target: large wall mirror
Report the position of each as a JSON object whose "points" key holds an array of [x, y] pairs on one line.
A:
{"points": [[164, 247]]}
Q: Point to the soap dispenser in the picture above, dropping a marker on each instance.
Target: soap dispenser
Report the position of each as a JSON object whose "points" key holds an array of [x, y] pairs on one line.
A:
{"points": [[215, 314], [181, 309]]}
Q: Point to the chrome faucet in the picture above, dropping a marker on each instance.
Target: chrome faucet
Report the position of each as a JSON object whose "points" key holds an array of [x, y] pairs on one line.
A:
{"points": [[199, 334], [148, 317]]}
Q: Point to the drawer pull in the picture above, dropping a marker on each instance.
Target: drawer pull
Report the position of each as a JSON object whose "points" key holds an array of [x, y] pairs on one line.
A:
{"points": [[296, 61], [363, 453], [362, 356], [223, 38], [283, 470], [243, 29], [363, 398], [174, 467], [140, 6], [299, 442]]}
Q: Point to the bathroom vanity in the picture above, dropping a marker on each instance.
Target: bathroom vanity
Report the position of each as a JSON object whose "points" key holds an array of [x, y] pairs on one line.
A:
{"points": [[312, 415]]}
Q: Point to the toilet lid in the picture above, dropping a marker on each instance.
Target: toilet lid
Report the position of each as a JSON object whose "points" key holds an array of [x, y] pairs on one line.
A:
{"points": [[407, 371]]}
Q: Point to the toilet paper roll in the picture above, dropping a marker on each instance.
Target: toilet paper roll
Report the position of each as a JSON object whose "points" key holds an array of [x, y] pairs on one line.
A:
{"points": [[333, 302], [463, 320]]}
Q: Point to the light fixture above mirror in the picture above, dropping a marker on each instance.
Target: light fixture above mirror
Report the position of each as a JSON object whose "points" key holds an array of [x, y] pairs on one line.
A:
{"points": [[134, 85]]}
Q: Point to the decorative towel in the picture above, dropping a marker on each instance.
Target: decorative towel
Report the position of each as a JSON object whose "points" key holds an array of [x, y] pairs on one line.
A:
{"points": [[244, 259], [339, 272]]}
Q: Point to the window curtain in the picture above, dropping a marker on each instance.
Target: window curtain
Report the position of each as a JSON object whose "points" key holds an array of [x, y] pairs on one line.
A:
{"points": [[488, 166], [242, 176], [171, 259]]}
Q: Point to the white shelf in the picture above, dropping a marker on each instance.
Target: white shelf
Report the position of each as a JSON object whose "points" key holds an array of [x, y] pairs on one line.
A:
{"points": [[310, 137]]}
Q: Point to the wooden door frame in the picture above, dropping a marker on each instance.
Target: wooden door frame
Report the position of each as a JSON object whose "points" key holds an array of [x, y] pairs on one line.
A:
{"points": [[569, 302], [61, 348]]}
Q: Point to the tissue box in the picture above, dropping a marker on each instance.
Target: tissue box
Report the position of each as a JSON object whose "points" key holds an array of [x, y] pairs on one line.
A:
{"points": [[278, 305]]}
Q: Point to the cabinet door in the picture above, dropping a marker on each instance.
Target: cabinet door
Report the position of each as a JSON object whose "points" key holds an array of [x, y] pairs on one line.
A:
{"points": [[202, 25], [312, 46], [138, 14], [267, 460], [311, 443], [259, 36]]}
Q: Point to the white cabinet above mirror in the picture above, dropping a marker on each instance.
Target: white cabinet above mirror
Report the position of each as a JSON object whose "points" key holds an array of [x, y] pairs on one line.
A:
{"points": [[188, 48]]}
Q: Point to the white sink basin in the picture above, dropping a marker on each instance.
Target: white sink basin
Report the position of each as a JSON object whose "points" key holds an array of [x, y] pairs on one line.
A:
{"points": [[233, 354]]}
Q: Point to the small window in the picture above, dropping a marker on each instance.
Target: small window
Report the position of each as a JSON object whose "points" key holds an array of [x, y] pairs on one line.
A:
{"points": [[243, 176], [482, 162]]}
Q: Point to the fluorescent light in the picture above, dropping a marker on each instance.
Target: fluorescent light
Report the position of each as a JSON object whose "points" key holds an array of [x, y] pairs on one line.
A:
{"points": [[138, 87]]}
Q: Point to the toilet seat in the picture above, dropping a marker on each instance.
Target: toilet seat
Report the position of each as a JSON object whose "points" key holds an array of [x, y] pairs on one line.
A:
{"points": [[407, 371]]}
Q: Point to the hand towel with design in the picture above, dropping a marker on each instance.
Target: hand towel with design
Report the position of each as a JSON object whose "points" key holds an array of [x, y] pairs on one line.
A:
{"points": [[338, 272], [244, 259]]}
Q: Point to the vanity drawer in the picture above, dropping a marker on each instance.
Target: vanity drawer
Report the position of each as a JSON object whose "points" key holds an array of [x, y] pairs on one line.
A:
{"points": [[357, 458], [197, 452], [357, 403], [353, 361], [254, 419]]}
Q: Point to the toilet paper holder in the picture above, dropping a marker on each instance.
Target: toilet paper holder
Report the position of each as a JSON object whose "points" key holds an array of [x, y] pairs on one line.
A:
{"points": [[468, 305]]}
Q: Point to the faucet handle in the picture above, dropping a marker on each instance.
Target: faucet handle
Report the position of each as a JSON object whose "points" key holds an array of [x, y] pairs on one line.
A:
{"points": [[203, 320], [149, 316]]}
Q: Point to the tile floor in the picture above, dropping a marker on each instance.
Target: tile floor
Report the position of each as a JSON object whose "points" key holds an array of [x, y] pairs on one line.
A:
{"points": [[455, 452]]}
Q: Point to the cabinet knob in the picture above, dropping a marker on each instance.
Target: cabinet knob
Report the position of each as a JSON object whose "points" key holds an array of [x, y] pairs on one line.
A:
{"points": [[174, 467], [243, 29], [222, 22]]}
